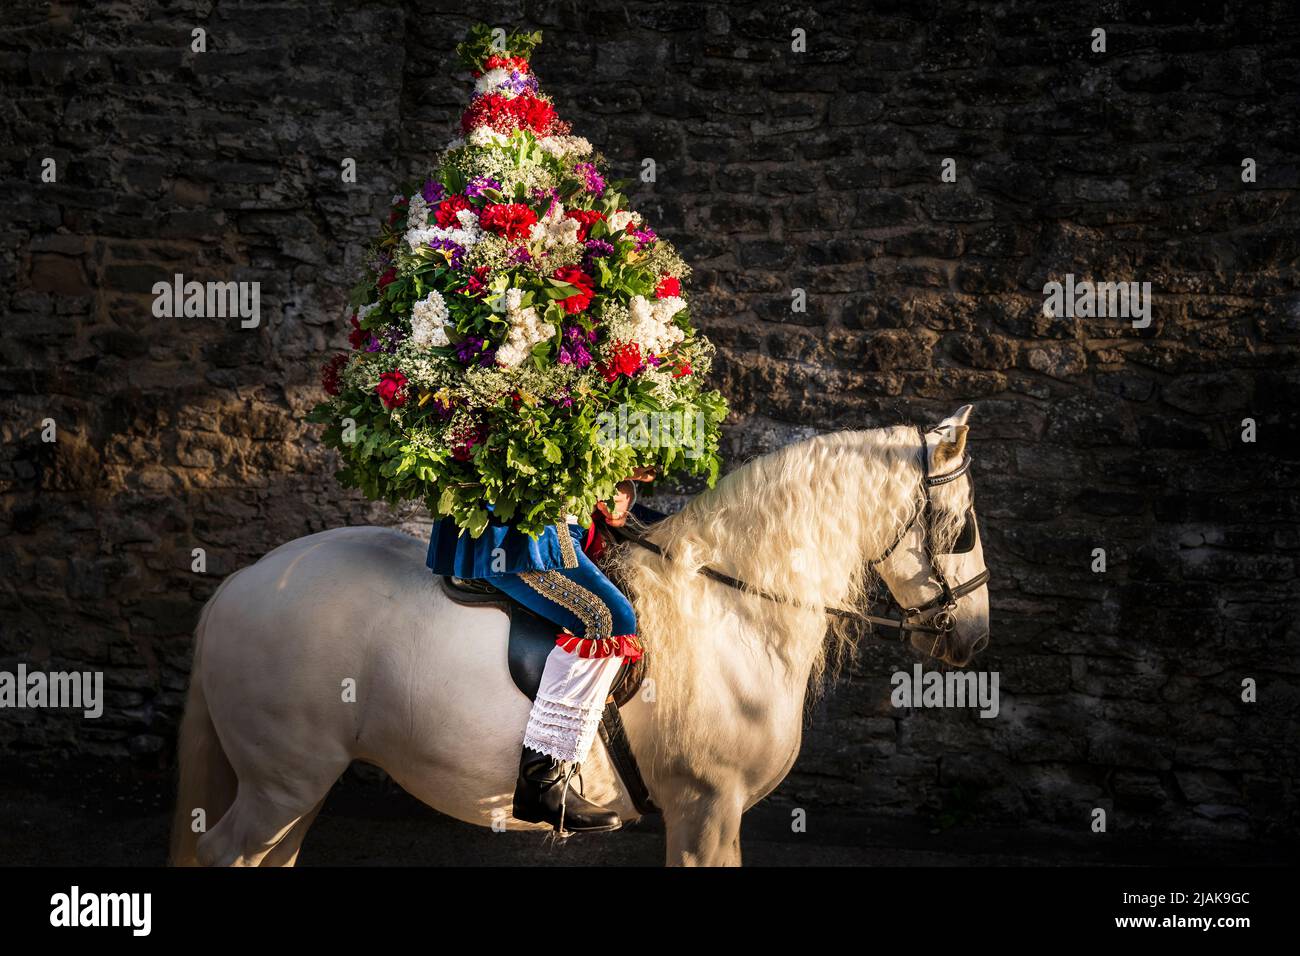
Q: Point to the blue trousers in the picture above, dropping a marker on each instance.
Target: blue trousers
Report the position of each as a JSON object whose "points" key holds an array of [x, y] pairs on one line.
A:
{"points": [[581, 599]]}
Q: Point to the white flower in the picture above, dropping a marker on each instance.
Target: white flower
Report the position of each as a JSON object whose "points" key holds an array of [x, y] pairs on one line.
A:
{"points": [[668, 306], [564, 146], [618, 221], [491, 79], [526, 330], [486, 136], [429, 320], [553, 229], [417, 213], [651, 323], [465, 236], [366, 310]]}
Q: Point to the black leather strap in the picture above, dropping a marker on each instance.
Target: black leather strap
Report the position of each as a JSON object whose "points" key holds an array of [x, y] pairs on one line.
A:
{"points": [[945, 599], [619, 748]]}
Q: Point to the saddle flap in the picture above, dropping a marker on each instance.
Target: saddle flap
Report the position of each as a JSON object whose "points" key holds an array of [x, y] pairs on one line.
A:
{"points": [[531, 640]]}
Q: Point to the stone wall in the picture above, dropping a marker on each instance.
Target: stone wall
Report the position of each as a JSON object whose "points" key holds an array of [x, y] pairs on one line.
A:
{"points": [[777, 170]]}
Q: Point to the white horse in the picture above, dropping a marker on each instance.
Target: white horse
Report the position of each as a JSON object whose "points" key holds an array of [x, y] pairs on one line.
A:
{"points": [[341, 646]]}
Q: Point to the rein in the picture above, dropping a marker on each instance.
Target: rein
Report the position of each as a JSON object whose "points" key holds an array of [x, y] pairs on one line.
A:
{"points": [[940, 623]]}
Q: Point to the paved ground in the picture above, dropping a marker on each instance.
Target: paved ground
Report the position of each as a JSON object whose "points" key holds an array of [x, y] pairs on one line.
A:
{"points": [[97, 814]]}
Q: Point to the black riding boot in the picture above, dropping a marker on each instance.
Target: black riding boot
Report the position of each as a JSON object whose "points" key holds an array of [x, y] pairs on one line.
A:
{"points": [[543, 795]]}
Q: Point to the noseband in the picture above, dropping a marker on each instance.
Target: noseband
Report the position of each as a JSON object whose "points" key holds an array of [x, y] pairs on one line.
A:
{"points": [[941, 623]]}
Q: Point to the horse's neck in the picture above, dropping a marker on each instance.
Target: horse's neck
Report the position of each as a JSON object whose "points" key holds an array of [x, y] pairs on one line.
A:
{"points": [[722, 649], [798, 524], [797, 529]]}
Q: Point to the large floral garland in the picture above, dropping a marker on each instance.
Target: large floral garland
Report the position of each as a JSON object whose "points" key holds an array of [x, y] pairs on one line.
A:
{"points": [[512, 311]]}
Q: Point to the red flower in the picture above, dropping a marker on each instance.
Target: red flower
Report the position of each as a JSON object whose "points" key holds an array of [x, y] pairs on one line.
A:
{"points": [[582, 298], [445, 214], [387, 277], [503, 115], [683, 369], [668, 286], [330, 374], [625, 361], [463, 444], [475, 285], [586, 219], [390, 389], [512, 220], [498, 62], [358, 337]]}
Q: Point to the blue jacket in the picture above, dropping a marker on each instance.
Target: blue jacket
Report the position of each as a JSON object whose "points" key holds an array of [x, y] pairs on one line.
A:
{"points": [[454, 552]]}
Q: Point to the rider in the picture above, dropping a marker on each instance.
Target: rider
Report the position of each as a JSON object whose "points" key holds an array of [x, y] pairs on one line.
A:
{"points": [[552, 576]]}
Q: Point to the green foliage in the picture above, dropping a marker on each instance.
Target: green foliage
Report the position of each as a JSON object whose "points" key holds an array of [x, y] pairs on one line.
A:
{"points": [[536, 437], [480, 44]]}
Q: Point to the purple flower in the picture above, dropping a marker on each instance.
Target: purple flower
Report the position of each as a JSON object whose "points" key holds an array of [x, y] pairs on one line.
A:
{"points": [[595, 182], [519, 82], [453, 251], [479, 183], [473, 348], [574, 350], [433, 192], [596, 249], [643, 237], [386, 341], [521, 254], [564, 401], [552, 194], [469, 348]]}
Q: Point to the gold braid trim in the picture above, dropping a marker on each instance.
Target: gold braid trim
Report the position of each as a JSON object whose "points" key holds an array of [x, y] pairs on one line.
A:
{"points": [[581, 603], [569, 557]]}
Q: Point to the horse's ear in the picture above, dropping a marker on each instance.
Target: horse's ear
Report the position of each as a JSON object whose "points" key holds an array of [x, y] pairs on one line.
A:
{"points": [[960, 417], [946, 444], [947, 441]]}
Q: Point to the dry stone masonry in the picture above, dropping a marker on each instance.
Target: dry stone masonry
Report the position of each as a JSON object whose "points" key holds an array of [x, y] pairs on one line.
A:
{"points": [[913, 179]]}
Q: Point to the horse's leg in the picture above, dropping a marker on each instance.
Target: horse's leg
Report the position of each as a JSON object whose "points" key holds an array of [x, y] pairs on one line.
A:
{"points": [[261, 816], [704, 830], [285, 853]]}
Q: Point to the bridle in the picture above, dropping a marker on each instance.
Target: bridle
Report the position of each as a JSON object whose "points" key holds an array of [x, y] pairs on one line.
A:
{"points": [[941, 623]]}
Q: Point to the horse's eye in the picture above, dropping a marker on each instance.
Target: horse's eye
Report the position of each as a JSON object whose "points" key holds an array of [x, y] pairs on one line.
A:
{"points": [[966, 539]]}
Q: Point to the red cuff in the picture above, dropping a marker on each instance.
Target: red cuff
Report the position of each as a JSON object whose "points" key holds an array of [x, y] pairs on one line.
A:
{"points": [[624, 645]]}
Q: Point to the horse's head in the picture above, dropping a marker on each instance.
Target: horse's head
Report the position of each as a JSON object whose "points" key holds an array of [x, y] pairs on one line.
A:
{"points": [[935, 568]]}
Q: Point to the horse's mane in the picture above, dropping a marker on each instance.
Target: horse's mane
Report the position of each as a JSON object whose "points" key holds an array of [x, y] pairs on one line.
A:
{"points": [[803, 522]]}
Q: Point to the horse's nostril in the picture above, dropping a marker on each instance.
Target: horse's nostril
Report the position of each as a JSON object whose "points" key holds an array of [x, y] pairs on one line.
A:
{"points": [[981, 642]]}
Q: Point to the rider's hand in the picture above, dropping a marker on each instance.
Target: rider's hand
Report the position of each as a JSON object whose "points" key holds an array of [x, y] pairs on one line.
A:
{"points": [[622, 504]]}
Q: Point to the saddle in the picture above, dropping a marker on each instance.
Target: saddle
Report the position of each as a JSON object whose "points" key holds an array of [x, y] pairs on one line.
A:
{"points": [[531, 639]]}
